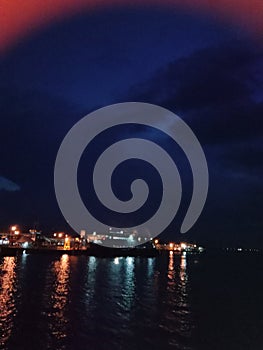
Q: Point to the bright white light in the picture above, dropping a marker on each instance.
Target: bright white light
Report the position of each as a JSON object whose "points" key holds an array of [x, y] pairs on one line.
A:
{"points": [[129, 260], [183, 245]]}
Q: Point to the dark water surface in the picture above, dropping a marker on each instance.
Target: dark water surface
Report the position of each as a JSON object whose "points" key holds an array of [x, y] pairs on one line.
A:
{"points": [[168, 302]]}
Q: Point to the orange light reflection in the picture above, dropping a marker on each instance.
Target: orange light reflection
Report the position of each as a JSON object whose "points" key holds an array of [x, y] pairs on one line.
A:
{"points": [[7, 298]]}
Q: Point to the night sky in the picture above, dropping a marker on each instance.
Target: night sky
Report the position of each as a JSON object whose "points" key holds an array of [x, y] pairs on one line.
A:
{"points": [[208, 71]]}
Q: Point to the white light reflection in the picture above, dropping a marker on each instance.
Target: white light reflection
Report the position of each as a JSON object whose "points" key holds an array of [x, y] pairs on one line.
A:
{"points": [[150, 266], [183, 265], [120, 284], [128, 285], [90, 280], [130, 260], [116, 261], [92, 263], [24, 257]]}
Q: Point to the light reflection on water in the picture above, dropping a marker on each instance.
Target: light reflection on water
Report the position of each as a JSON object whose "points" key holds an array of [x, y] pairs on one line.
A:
{"points": [[7, 298], [130, 302], [128, 289], [56, 299], [177, 319], [168, 302], [89, 286]]}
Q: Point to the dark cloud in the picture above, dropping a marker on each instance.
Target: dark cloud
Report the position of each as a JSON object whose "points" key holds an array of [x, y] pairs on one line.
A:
{"points": [[219, 75], [221, 79], [213, 90], [218, 92]]}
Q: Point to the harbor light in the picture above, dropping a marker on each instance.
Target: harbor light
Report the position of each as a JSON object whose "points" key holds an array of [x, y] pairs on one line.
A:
{"points": [[67, 243], [183, 245]]}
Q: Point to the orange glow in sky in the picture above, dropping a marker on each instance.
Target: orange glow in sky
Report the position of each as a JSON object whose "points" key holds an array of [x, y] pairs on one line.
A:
{"points": [[20, 18]]}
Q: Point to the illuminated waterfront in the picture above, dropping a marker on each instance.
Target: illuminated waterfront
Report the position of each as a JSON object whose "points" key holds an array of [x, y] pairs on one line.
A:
{"points": [[123, 243]]}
